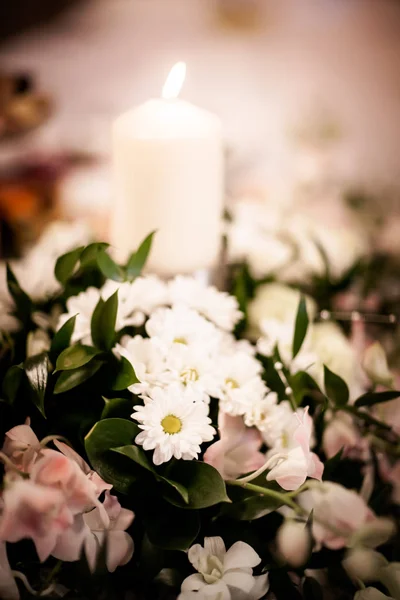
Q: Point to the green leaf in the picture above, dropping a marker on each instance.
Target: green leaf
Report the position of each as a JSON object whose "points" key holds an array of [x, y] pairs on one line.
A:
{"points": [[62, 337], [137, 455], [75, 356], [89, 254], [103, 322], [203, 483], [251, 508], [170, 528], [22, 301], [371, 398], [303, 385], [37, 371], [332, 464], [66, 265], [71, 379], [125, 375], [336, 388], [138, 259], [105, 435], [12, 381], [301, 326], [117, 407], [108, 267]]}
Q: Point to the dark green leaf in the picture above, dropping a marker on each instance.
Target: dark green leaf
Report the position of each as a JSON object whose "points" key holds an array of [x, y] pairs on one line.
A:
{"points": [[137, 455], [75, 356], [89, 254], [332, 464], [138, 259], [105, 435], [22, 301], [71, 379], [125, 375], [301, 326], [367, 417], [37, 370], [108, 267], [204, 484], [117, 407], [62, 338], [67, 264], [303, 385], [103, 322], [372, 398], [12, 381], [251, 508], [171, 528], [336, 388]]}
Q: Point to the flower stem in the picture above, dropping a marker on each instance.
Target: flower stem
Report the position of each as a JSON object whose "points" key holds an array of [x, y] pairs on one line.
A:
{"points": [[284, 498]]}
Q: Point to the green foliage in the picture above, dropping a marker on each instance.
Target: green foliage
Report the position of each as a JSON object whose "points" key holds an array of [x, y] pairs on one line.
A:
{"points": [[103, 322], [336, 388], [204, 484], [75, 356], [67, 265], [117, 407], [70, 379], [138, 259], [171, 528], [23, 304], [109, 267], [37, 371], [371, 398], [124, 376], [12, 381], [301, 326], [62, 338], [112, 467]]}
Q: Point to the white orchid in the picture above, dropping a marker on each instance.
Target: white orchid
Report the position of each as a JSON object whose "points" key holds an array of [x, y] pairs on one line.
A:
{"points": [[222, 574]]}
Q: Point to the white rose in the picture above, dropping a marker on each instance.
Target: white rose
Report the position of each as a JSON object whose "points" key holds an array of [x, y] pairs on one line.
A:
{"points": [[364, 564], [276, 302], [334, 350]]}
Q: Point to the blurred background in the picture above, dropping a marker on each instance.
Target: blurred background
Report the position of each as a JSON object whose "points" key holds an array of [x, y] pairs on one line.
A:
{"points": [[308, 92]]}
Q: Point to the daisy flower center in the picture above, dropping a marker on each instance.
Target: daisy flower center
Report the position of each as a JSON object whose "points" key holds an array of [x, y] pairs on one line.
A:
{"points": [[189, 374], [171, 424], [232, 383], [180, 340]]}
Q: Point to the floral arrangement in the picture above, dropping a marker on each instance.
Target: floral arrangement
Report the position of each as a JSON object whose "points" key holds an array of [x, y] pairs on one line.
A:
{"points": [[164, 439]]}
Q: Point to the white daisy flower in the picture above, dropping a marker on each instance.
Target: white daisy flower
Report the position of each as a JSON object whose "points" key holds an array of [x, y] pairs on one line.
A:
{"points": [[260, 412], [82, 306], [223, 574], [242, 387], [137, 299], [149, 361], [182, 325], [194, 368], [219, 307], [174, 423]]}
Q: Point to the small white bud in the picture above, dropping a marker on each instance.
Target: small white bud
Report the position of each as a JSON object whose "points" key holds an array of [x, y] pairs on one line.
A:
{"points": [[278, 366], [364, 564], [294, 543], [373, 533]]}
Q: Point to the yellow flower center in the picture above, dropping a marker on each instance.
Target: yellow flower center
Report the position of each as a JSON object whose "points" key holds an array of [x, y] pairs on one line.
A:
{"points": [[180, 340], [232, 383], [171, 424], [189, 374]]}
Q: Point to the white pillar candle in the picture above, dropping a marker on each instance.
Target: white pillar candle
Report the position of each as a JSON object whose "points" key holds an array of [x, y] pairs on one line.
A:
{"points": [[168, 157]]}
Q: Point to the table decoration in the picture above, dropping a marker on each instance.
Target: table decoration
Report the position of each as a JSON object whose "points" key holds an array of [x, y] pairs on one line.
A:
{"points": [[164, 439], [168, 157]]}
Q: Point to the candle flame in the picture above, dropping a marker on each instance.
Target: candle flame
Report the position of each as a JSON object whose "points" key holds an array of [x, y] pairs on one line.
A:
{"points": [[174, 82]]}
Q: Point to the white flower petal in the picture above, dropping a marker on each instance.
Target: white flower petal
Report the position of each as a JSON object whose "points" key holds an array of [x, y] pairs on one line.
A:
{"points": [[241, 555]]}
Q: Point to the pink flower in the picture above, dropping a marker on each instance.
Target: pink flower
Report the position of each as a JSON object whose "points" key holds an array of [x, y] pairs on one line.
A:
{"points": [[341, 433], [91, 531], [100, 484], [8, 587], [22, 446], [338, 513], [56, 471], [294, 460], [36, 512], [237, 451]]}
